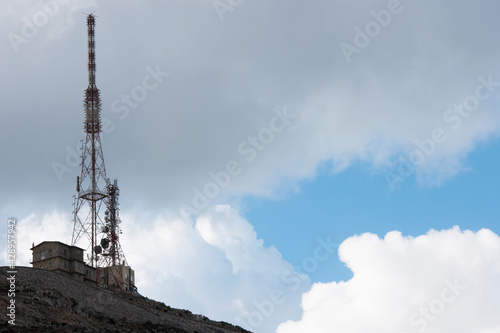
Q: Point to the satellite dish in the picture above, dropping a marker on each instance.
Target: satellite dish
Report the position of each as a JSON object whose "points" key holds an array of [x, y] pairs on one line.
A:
{"points": [[104, 243], [97, 249]]}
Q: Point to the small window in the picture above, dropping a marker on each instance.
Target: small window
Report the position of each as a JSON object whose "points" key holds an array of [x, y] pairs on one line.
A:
{"points": [[64, 251], [50, 263], [42, 255], [50, 250]]}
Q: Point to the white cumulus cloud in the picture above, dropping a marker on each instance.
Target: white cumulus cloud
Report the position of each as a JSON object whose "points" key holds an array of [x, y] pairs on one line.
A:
{"points": [[215, 266], [444, 282]]}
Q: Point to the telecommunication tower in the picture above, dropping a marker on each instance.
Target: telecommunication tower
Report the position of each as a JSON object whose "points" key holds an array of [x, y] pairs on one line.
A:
{"points": [[97, 232], [92, 182], [113, 254]]}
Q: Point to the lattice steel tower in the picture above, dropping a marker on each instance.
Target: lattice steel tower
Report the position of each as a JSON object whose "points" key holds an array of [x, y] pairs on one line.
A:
{"points": [[96, 232]]}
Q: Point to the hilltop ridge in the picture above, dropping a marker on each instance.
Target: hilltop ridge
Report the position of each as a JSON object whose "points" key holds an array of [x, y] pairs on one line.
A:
{"points": [[49, 302]]}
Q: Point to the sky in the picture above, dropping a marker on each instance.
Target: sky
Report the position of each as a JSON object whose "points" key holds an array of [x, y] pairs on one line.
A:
{"points": [[305, 166]]}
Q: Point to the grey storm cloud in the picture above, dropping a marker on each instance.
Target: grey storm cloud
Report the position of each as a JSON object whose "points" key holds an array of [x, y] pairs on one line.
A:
{"points": [[223, 69]]}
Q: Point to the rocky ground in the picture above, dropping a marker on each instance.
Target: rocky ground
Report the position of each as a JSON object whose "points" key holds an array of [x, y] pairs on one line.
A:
{"points": [[48, 302]]}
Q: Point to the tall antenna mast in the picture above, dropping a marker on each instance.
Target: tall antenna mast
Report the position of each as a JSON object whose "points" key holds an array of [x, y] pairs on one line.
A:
{"points": [[99, 232], [91, 185]]}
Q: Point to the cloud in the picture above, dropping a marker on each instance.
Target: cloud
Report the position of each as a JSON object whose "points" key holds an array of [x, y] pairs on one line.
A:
{"points": [[227, 77], [53, 226], [444, 281], [492, 330], [215, 266], [218, 257]]}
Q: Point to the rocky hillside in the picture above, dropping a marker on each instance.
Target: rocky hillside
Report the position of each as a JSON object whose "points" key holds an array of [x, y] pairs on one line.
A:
{"points": [[48, 302]]}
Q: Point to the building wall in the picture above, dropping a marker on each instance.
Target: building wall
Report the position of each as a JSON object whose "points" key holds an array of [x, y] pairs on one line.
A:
{"points": [[90, 273], [116, 277], [63, 258]]}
